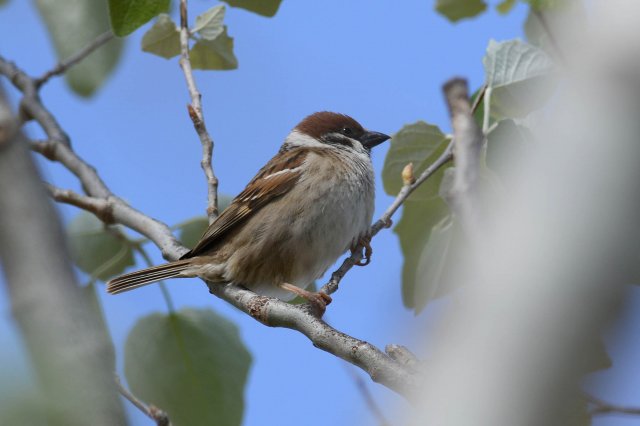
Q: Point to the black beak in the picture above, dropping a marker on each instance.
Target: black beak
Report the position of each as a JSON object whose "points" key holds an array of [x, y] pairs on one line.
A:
{"points": [[371, 139]]}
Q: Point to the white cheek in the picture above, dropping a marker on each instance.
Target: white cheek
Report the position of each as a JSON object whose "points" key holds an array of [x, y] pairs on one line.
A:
{"points": [[296, 138]]}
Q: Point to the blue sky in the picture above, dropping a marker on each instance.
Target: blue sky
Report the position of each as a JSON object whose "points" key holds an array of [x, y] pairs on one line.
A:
{"points": [[381, 62]]}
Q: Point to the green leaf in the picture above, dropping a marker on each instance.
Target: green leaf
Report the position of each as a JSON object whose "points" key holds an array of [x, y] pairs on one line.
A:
{"points": [[192, 364], [455, 10], [419, 143], [414, 232], [434, 266], [163, 38], [261, 7], [73, 24], [128, 15], [209, 24], [545, 4], [520, 76], [506, 6], [96, 251], [214, 54], [3, 2]]}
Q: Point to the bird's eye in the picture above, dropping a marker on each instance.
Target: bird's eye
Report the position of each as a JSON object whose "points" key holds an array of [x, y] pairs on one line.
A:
{"points": [[347, 131]]}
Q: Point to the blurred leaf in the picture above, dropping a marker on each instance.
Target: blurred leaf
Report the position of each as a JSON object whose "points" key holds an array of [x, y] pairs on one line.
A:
{"points": [[454, 10], [214, 54], [506, 6], [192, 230], [163, 38], [520, 76], [414, 232], [96, 251], [261, 7], [73, 24], [209, 24], [434, 266], [3, 2], [419, 143], [544, 4], [128, 15], [507, 146], [192, 364]]}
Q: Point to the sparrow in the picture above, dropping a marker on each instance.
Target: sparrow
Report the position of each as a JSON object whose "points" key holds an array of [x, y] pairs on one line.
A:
{"points": [[308, 205]]}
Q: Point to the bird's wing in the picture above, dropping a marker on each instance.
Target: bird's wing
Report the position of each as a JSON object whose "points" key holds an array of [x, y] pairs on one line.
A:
{"points": [[275, 179]]}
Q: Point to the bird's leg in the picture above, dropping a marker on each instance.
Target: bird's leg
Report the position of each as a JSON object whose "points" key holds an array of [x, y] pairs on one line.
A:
{"points": [[317, 298], [364, 243]]}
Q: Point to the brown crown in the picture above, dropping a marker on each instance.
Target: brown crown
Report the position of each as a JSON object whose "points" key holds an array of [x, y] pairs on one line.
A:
{"points": [[320, 123]]}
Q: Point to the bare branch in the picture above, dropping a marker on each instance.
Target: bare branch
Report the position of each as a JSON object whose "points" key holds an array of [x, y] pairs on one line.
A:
{"points": [[276, 313], [66, 341], [603, 407], [403, 355], [195, 112], [271, 312], [64, 65], [31, 106], [154, 413], [463, 193]]}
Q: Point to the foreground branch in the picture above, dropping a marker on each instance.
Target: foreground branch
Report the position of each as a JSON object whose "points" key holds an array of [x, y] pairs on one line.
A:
{"points": [[463, 193], [69, 349], [195, 112]]}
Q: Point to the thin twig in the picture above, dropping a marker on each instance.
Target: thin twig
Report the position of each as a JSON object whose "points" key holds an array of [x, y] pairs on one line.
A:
{"points": [[366, 395], [30, 106], [195, 112], [64, 65], [602, 407], [385, 220], [154, 413]]}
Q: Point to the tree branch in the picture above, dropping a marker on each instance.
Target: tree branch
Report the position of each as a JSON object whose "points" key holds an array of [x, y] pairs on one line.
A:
{"points": [[30, 106], [276, 313], [68, 346], [63, 66], [154, 413], [271, 312], [195, 112], [603, 407], [463, 194]]}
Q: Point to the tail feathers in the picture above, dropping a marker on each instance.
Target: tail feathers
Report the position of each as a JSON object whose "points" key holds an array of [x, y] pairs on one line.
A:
{"points": [[143, 277]]}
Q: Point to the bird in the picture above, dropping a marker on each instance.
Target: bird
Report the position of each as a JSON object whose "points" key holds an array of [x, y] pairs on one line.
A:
{"points": [[309, 204]]}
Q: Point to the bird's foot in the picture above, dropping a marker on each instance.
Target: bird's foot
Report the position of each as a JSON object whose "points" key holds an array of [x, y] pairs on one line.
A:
{"points": [[364, 243], [318, 299]]}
